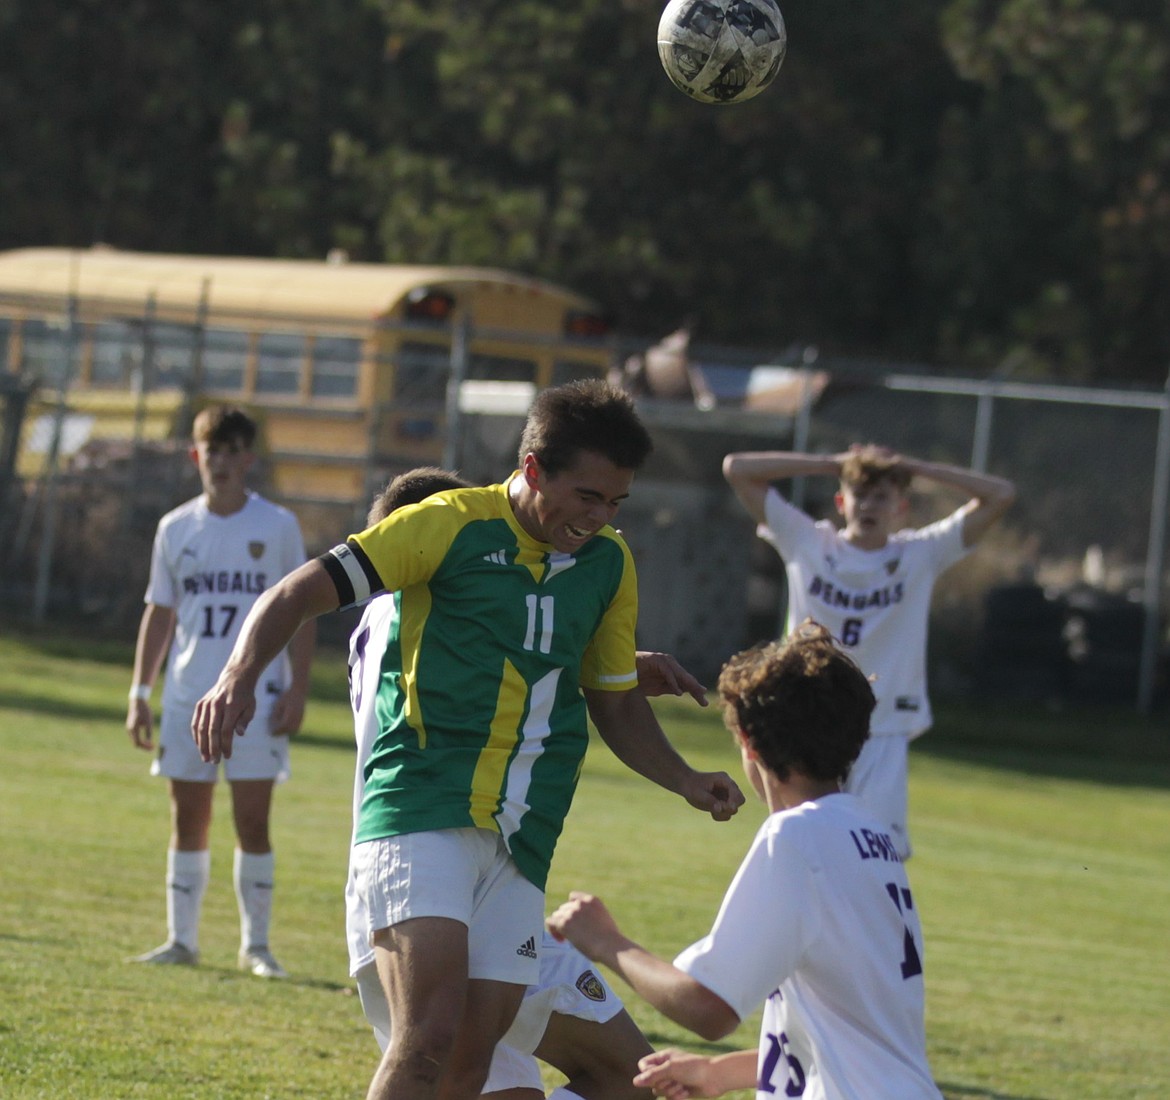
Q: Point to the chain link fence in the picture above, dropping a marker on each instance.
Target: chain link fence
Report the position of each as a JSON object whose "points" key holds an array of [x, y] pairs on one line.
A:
{"points": [[1065, 600]]}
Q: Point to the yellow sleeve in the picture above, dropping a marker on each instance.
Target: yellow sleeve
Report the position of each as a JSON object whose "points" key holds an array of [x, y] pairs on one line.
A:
{"points": [[609, 663], [409, 545]]}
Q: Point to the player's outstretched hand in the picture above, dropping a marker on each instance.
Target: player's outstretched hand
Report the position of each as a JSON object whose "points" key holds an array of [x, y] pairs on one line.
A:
{"points": [[715, 793], [586, 923], [222, 714], [676, 1075], [140, 724], [661, 674]]}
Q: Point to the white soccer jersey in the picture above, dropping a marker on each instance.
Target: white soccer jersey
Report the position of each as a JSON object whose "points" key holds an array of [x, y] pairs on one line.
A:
{"points": [[819, 922], [211, 569], [876, 603]]}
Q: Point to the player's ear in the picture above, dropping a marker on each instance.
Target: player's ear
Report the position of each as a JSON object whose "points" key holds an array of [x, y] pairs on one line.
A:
{"points": [[839, 501], [530, 468]]}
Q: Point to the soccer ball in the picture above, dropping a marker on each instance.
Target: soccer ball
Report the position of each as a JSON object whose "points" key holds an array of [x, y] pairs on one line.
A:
{"points": [[721, 51]]}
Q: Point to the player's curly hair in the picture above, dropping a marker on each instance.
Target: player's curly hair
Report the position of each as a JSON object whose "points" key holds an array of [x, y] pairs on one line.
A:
{"points": [[410, 488], [864, 467], [801, 703], [588, 415]]}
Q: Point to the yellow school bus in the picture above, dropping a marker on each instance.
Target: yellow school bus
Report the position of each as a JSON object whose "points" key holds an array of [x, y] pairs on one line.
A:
{"points": [[346, 365]]}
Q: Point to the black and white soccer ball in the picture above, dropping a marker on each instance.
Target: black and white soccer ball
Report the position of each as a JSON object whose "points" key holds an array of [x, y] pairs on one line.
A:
{"points": [[722, 51]]}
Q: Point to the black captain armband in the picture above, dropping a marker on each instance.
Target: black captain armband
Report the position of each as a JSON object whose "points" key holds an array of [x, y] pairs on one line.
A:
{"points": [[354, 577]]}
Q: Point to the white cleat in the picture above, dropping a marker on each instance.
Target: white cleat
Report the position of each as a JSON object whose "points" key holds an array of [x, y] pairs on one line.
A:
{"points": [[260, 962], [170, 954]]}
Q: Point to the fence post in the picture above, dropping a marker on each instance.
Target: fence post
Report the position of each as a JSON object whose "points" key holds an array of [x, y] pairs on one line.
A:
{"points": [[460, 351], [1155, 553], [981, 444], [49, 528]]}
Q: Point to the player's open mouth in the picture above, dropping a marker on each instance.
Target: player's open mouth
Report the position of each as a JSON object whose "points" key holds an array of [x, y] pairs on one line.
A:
{"points": [[578, 533]]}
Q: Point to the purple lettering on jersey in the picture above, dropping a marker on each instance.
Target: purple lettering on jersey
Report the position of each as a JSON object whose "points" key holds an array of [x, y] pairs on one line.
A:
{"points": [[877, 846]]}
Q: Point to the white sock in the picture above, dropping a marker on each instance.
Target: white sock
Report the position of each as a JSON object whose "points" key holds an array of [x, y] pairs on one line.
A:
{"points": [[563, 1094], [253, 876], [187, 875]]}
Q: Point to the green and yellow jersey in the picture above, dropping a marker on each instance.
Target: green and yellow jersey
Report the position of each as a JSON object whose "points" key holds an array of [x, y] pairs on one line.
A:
{"points": [[481, 721]]}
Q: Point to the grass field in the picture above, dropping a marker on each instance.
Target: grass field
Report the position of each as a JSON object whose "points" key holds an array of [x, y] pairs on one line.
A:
{"points": [[1042, 873]]}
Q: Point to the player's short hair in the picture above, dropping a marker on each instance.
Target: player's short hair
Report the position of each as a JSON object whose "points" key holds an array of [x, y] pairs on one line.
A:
{"points": [[410, 488], [589, 415], [224, 424], [868, 465], [801, 703]]}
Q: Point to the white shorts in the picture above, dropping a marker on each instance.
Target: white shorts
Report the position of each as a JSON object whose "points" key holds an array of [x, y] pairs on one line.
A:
{"points": [[879, 780], [462, 874], [568, 984], [256, 755]]}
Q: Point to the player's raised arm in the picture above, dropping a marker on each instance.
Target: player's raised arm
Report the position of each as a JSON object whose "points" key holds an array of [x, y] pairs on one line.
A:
{"points": [[749, 473], [991, 496], [225, 711], [628, 726]]}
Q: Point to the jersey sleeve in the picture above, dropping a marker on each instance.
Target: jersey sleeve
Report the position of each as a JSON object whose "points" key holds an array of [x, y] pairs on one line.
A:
{"points": [[785, 527], [944, 541], [609, 662], [160, 588], [406, 548], [763, 925]]}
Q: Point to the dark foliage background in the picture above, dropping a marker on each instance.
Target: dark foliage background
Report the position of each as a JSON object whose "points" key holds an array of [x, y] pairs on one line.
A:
{"points": [[979, 184]]}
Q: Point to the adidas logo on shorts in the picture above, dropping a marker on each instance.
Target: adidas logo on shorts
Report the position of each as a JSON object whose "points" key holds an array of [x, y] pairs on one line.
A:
{"points": [[527, 948]]}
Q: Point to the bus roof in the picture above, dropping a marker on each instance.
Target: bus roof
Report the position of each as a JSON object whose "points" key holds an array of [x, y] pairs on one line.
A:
{"points": [[243, 286]]}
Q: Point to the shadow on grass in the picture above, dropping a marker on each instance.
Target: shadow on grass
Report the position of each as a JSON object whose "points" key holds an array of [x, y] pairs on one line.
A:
{"points": [[39, 703], [1093, 745]]}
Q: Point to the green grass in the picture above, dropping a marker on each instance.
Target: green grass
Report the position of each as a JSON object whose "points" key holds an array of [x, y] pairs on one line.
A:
{"points": [[1042, 872]]}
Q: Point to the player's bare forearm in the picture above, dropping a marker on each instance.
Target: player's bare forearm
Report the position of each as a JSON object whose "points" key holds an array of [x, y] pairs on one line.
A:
{"points": [[679, 1074], [991, 496], [585, 922], [628, 726], [749, 473], [154, 636]]}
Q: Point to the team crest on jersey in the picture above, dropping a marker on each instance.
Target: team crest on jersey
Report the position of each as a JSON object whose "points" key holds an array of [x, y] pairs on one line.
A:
{"points": [[892, 566], [589, 985], [256, 549]]}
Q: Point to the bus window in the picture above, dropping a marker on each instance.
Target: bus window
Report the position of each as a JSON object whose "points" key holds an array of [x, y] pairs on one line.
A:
{"points": [[225, 354], [279, 359], [335, 366], [499, 368], [421, 374], [174, 356], [117, 353], [45, 350], [565, 370]]}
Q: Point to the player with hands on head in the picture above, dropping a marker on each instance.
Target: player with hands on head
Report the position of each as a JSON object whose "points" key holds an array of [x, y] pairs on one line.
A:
{"points": [[518, 609], [870, 582], [212, 558], [818, 923]]}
